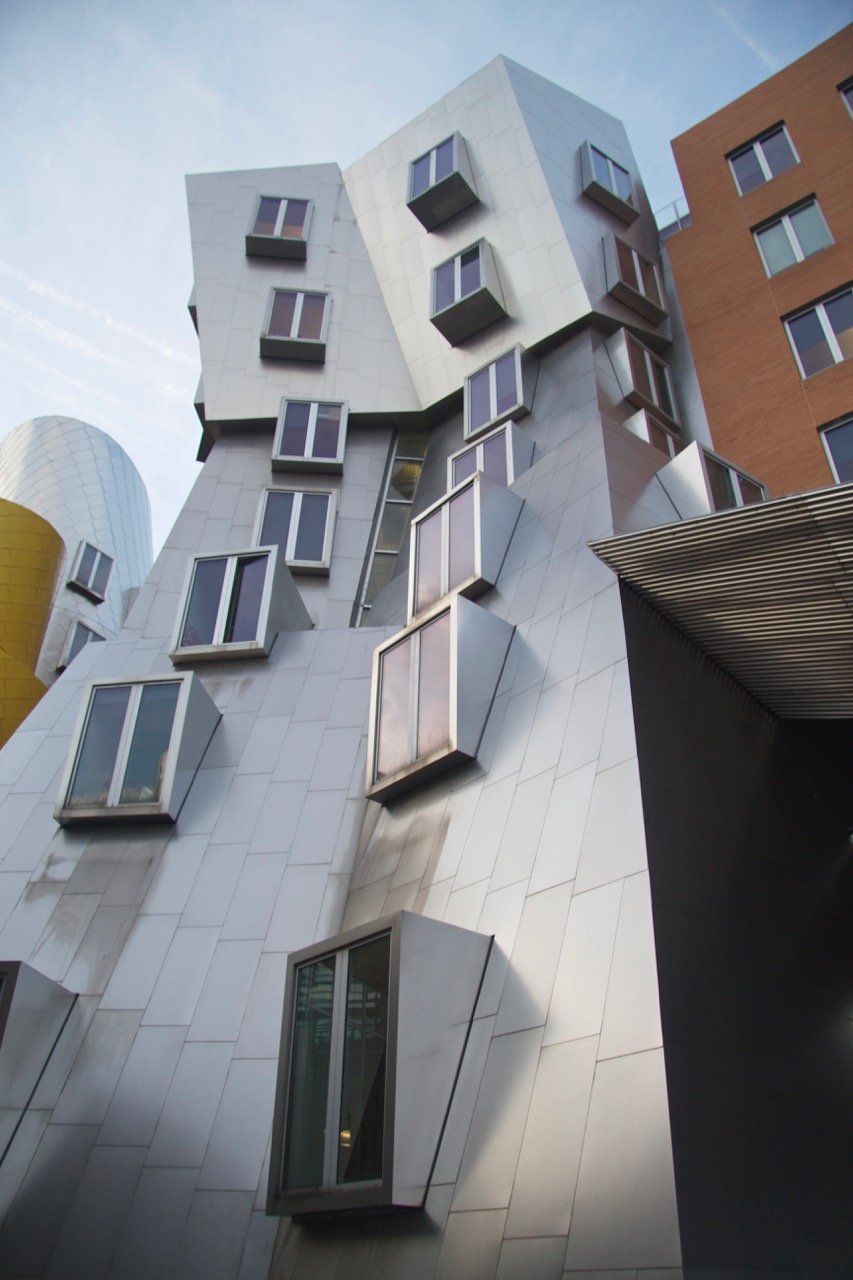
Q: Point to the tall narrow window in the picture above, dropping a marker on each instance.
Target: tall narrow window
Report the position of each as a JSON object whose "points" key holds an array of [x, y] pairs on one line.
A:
{"points": [[414, 716], [91, 572], [296, 325], [633, 279], [762, 159], [494, 393], [227, 606], [822, 335], [445, 548], [792, 237], [300, 522], [310, 436]]}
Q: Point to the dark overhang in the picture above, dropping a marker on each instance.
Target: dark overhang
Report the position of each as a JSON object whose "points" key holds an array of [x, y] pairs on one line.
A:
{"points": [[766, 591]]}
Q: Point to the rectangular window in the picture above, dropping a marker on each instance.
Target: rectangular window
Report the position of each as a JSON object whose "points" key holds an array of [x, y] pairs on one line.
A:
{"points": [[792, 237], [441, 183], [431, 168], [466, 295], [296, 325], [310, 436], [392, 519], [78, 637], [279, 228], [612, 176], [838, 443], [495, 393], [762, 159], [502, 456], [644, 425], [301, 523], [730, 487], [414, 698], [226, 608], [91, 572], [608, 183], [634, 279], [823, 334], [650, 378]]}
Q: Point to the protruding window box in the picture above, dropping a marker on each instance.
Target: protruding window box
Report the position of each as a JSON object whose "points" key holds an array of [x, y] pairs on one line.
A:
{"points": [[310, 436], [33, 1013], [700, 482], [459, 543], [295, 326], [608, 183], [235, 605], [502, 389], [644, 425], [79, 635], [433, 686], [634, 279], [466, 293], [375, 1025], [502, 456], [91, 572], [135, 750], [280, 228], [441, 183], [643, 378]]}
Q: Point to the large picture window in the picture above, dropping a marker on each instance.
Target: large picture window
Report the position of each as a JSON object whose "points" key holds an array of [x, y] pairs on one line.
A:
{"points": [[300, 522], [310, 436], [296, 325], [279, 228]]}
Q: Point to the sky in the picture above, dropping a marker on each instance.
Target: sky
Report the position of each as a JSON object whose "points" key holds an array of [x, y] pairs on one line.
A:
{"points": [[107, 104]]}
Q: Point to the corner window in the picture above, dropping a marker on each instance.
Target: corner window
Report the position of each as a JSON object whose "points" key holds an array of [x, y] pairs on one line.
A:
{"points": [[730, 487], [136, 748], [608, 183], [502, 456], [645, 426], [495, 393], [310, 436], [433, 686], [441, 183], [279, 228], [634, 279], [766, 157], [79, 635], [296, 325], [466, 294], [356, 1124], [300, 522], [822, 335], [792, 237], [838, 443], [91, 572]]}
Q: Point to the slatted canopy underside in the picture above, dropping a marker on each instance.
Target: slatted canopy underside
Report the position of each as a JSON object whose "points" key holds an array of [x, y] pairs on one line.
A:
{"points": [[766, 591]]}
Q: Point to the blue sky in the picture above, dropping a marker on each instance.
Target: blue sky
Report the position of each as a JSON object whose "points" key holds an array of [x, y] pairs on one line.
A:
{"points": [[108, 103]]}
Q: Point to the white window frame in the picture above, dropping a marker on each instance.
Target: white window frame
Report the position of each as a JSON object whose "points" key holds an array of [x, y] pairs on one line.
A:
{"points": [[85, 587], [827, 430], [838, 356], [290, 345], [784, 220], [518, 410], [283, 202], [444, 197], [456, 260], [95, 635], [756, 146], [301, 566], [307, 461], [453, 138], [193, 723], [607, 195], [519, 453], [217, 647]]}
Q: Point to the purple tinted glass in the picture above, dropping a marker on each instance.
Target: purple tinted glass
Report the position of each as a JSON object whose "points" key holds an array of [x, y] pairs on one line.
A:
{"points": [[747, 170], [479, 410], [327, 431], [203, 604], [428, 570], [267, 216], [102, 575], [494, 458], [778, 152], [443, 160], [392, 750], [295, 431], [434, 686], [469, 272], [464, 466], [294, 219], [245, 608], [420, 175], [444, 292], [809, 339], [277, 513], [312, 527], [281, 316], [461, 550], [839, 312], [86, 565], [311, 320], [506, 387]]}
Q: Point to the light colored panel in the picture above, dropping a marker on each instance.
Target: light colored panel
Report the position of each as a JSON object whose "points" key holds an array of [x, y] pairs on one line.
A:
{"points": [[220, 1007], [527, 989], [540, 1259], [577, 1005], [261, 1029], [254, 897], [96, 1215], [163, 1196], [295, 914], [614, 843], [142, 1088], [213, 889], [242, 1127], [174, 876], [96, 1070], [485, 832], [183, 1131], [500, 917], [471, 1246], [585, 725], [632, 1009], [521, 833], [140, 962], [562, 832], [176, 991], [36, 1216]]}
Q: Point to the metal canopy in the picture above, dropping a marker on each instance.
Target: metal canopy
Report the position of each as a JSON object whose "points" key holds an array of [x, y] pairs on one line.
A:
{"points": [[765, 590]]}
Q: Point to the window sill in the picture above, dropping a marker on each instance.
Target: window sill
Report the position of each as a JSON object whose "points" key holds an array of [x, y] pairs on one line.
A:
{"points": [[311, 350], [638, 302], [95, 596], [220, 652], [104, 814], [441, 202], [627, 213], [292, 247], [463, 319]]}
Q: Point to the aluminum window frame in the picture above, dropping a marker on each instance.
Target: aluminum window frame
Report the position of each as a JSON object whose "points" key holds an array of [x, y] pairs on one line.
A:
{"points": [[638, 299], [783, 219], [825, 431], [607, 195], [86, 585], [322, 566], [432, 153], [458, 296], [273, 244], [217, 647], [308, 461], [447, 196], [518, 452], [756, 145], [651, 359], [96, 635], [518, 410], [274, 346], [641, 424], [468, 313], [819, 309]]}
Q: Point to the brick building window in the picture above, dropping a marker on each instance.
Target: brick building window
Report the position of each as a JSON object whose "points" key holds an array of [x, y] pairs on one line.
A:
{"points": [[762, 159]]}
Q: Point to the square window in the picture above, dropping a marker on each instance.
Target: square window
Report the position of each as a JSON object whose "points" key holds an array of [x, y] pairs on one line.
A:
{"points": [[608, 183], [634, 279], [822, 335], [79, 635], [279, 228], [762, 159], [136, 748], [235, 604], [466, 293], [433, 686], [792, 237], [310, 436], [296, 326], [91, 572], [838, 443], [357, 1120], [441, 183], [643, 377], [502, 456], [501, 389], [459, 543], [300, 522]]}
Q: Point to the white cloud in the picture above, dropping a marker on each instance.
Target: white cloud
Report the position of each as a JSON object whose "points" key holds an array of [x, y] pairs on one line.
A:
{"points": [[749, 41]]}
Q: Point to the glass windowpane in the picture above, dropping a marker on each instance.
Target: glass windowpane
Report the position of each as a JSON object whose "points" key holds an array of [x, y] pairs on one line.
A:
{"points": [[295, 431], [149, 745], [392, 749], [294, 219], [494, 458], [82, 636], [277, 513], [839, 312], [749, 491], [404, 480], [461, 534], [776, 248], [392, 526], [777, 152], [659, 437], [464, 466], [639, 370], [428, 565], [93, 773], [311, 534], [381, 573], [662, 394], [420, 175], [203, 604], [267, 215], [362, 1115], [479, 411], [506, 389], [86, 565], [622, 179], [627, 267], [469, 272], [434, 686], [245, 608], [444, 287], [810, 229], [281, 316], [311, 320], [720, 480], [444, 159], [310, 1058], [747, 170], [649, 281], [810, 341], [327, 431], [840, 442], [103, 569], [601, 168]]}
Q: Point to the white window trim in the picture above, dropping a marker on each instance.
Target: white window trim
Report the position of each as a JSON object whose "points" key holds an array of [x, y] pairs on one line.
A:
{"points": [[85, 587], [458, 296], [290, 345], [283, 202], [784, 220], [302, 566], [818, 308], [307, 461], [217, 647], [96, 633], [826, 431], [519, 409], [433, 156], [476, 447], [297, 315], [756, 146]]}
